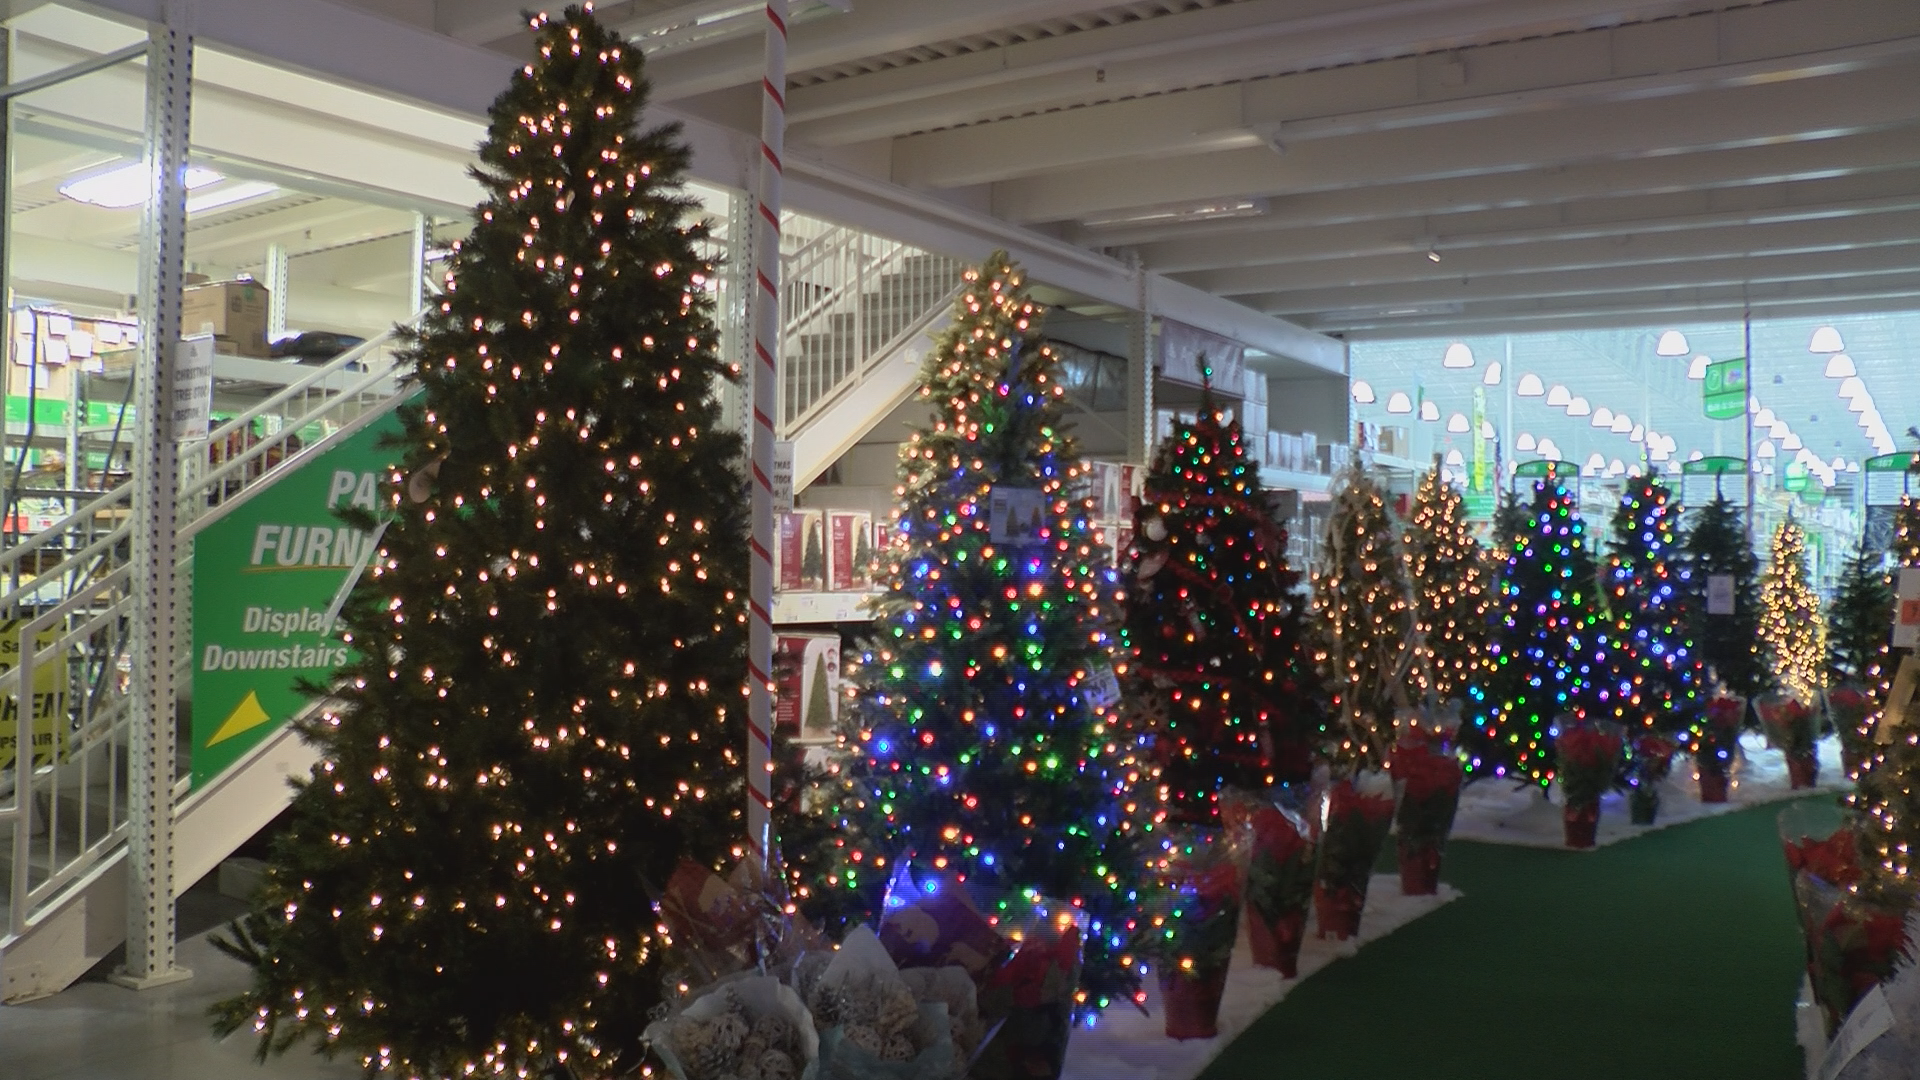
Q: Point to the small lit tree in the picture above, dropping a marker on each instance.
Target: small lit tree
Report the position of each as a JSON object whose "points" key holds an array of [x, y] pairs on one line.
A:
{"points": [[1859, 618], [1363, 602], [1453, 590], [1791, 624]]}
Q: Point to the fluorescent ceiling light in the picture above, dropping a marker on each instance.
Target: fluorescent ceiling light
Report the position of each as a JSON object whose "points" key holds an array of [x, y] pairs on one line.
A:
{"points": [[1492, 377], [1763, 418], [1638, 434], [1457, 424], [1672, 343], [229, 194], [1524, 441], [1429, 411], [1840, 366], [1766, 448], [126, 185], [1622, 424], [1558, 397], [1362, 392], [1458, 356], [1578, 407], [1699, 369], [1455, 458], [1826, 340], [1603, 417], [1399, 402], [1206, 210], [1529, 386]]}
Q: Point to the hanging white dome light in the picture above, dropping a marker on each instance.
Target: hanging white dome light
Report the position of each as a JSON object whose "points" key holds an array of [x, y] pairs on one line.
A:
{"points": [[1638, 434], [1763, 418], [1456, 458], [1458, 356], [1524, 441], [1429, 411], [1529, 386], [1457, 423], [1399, 402], [1578, 407], [1672, 343], [1766, 449], [1698, 370], [1622, 424], [1559, 397], [1603, 417], [1840, 366], [1362, 392], [1826, 340], [1791, 442], [1492, 377]]}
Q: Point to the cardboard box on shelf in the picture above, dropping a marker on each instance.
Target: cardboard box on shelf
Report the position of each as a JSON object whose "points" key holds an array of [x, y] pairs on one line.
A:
{"points": [[1395, 440], [800, 558], [806, 685], [234, 312], [1334, 457], [849, 549]]}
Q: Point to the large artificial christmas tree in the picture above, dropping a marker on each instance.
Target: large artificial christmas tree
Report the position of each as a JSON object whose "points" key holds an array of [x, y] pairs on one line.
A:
{"points": [[1859, 619], [1212, 628], [1656, 683], [543, 713], [1791, 624], [1364, 605], [982, 753], [1717, 547], [1887, 787], [1550, 650], [1453, 590]]}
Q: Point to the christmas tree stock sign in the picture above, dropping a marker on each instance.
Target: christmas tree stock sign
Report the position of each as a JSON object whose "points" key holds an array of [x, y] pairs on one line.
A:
{"points": [[264, 581]]}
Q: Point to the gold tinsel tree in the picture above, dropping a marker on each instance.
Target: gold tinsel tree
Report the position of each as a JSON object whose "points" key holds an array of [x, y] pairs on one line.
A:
{"points": [[1791, 623]]}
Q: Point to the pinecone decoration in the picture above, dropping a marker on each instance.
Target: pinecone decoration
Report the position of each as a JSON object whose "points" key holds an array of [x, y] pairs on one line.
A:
{"points": [[866, 1038], [777, 1065], [776, 1032], [897, 1048], [702, 1055], [896, 1010]]}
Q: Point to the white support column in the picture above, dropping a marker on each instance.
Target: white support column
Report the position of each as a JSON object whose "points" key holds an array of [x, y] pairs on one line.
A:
{"points": [[417, 266], [276, 283], [156, 628], [736, 316], [766, 374], [1140, 374]]}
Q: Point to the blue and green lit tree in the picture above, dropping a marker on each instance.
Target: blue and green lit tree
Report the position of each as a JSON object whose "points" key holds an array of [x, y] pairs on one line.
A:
{"points": [[1656, 683], [980, 755], [1550, 646]]}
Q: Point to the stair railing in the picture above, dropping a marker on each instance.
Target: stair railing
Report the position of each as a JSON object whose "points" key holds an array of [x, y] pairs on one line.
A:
{"points": [[64, 807]]}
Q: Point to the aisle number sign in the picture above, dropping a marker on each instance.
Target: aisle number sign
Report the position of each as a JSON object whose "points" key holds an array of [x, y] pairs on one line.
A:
{"points": [[1723, 395], [264, 581], [49, 699]]}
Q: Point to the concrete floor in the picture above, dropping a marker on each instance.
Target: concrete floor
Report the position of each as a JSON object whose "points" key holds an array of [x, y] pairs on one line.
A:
{"points": [[98, 1031]]}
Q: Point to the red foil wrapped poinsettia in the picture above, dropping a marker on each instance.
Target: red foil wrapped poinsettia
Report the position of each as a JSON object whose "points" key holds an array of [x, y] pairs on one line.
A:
{"points": [[1357, 822], [1429, 780], [1279, 879]]}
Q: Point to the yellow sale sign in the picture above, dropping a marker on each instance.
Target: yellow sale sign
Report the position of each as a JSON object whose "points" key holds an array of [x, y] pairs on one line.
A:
{"points": [[49, 699]]}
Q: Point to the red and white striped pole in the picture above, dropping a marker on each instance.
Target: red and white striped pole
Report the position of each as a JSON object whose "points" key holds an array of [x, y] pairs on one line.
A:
{"points": [[766, 369]]}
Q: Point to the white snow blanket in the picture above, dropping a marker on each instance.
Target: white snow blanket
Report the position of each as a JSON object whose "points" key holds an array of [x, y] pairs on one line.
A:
{"points": [[1125, 1045], [1493, 812]]}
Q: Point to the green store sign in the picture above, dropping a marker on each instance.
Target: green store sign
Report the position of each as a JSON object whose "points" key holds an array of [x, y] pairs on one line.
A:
{"points": [[1723, 395], [264, 580]]}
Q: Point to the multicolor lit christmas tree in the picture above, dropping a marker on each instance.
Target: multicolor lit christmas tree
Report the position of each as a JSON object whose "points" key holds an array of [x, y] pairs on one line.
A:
{"points": [[544, 708], [1212, 630], [1791, 624], [982, 754], [1716, 546], [1365, 607], [1550, 647], [1656, 683], [1453, 590], [1859, 619]]}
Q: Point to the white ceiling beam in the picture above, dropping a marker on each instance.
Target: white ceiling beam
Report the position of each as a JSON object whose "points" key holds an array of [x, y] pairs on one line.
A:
{"points": [[1749, 115], [1846, 196], [1715, 180], [1891, 294], [1623, 64], [1568, 287], [869, 29], [1641, 250], [1237, 41]]}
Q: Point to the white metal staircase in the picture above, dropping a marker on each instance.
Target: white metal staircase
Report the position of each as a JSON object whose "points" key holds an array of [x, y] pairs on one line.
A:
{"points": [[857, 314]]}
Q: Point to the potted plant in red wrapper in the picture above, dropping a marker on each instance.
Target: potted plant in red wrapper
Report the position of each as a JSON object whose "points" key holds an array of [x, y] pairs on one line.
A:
{"points": [[1854, 923], [1851, 706], [1357, 814], [1652, 760], [1031, 997], [1719, 738], [1193, 941], [1283, 847], [1589, 760], [1429, 780], [1790, 727]]}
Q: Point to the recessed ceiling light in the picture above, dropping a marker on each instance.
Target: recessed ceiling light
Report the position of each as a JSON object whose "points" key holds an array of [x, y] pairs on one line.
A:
{"points": [[126, 185]]}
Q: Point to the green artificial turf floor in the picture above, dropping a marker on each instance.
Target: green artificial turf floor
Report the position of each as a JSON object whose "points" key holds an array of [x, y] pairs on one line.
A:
{"points": [[1673, 955]]}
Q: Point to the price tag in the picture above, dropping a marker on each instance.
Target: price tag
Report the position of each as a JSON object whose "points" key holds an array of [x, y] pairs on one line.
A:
{"points": [[1017, 516], [1102, 688], [1720, 594], [1906, 610], [1903, 704], [1868, 1021]]}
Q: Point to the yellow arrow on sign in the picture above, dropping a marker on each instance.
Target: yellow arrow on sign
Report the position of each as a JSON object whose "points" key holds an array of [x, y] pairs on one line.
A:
{"points": [[245, 717]]}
